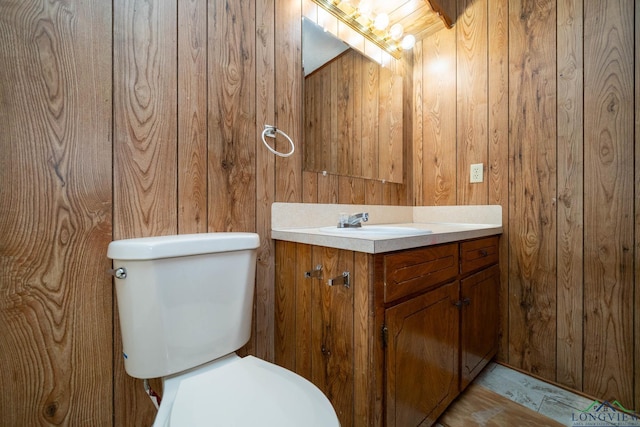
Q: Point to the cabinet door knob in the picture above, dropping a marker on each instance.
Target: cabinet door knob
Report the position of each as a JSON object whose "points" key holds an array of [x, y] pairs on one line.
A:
{"points": [[457, 303], [325, 351]]}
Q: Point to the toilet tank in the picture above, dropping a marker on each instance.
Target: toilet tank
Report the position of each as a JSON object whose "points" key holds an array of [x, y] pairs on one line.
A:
{"points": [[185, 300]]}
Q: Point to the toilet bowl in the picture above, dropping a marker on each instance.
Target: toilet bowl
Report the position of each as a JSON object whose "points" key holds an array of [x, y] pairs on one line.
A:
{"points": [[185, 305], [245, 392]]}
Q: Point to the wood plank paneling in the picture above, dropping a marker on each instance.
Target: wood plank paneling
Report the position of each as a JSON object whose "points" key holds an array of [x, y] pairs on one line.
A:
{"points": [[232, 116], [636, 367], [370, 79], [288, 97], [636, 341], [285, 301], [570, 193], [415, 148], [192, 116], [532, 187], [498, 134], [363, 320], [555, 259], [608, 214], [145, 151], [438, 168], [265, 181], [145, 118], [332, 332], [472, 59], [55, 216], [303, 308]]}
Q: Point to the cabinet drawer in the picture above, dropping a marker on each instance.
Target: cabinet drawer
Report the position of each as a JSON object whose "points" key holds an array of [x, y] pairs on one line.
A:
{"points": [[479, 253], [416, 270]]}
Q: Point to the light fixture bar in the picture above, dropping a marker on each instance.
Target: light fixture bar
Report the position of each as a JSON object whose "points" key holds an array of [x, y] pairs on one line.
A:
{"points": [[350, 19]]}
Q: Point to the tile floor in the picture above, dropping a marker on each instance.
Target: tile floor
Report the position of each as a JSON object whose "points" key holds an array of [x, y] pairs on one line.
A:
{"points": [[539, 396]]}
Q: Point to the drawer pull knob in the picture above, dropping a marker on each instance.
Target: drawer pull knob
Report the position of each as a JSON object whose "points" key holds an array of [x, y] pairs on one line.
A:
{"points": [[483, 252]]}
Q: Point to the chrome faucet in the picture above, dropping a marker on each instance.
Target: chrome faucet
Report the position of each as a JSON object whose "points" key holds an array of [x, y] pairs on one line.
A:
{"points": [[354, 220]]}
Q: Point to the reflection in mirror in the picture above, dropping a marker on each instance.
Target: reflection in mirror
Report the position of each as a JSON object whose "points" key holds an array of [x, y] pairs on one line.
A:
{"points": [[352, 110]]}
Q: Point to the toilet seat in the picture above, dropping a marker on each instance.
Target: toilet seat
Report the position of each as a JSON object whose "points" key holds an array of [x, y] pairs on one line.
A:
{"points": [[250, 392]]}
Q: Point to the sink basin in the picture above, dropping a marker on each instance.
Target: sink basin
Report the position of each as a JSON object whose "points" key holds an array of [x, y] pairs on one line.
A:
{"points": [[376, 230]]}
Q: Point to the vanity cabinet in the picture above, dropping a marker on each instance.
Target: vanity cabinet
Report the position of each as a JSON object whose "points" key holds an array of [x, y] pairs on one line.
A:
{"points": [[398, 341]]}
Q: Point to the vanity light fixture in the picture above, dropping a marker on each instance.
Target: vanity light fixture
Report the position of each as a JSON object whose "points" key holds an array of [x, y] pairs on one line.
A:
{"points": [[360, 18]]}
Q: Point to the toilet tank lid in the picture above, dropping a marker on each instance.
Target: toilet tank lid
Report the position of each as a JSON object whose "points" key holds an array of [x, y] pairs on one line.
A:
{"points": [[147, 248]]}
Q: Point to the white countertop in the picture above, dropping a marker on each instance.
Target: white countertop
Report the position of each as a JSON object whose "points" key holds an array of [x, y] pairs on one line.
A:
{"points": [[313, 224]]}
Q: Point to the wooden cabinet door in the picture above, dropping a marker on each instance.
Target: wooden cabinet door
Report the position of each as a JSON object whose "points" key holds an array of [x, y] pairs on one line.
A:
{"points": [[480, 322], [422, 357], [332, 332]]}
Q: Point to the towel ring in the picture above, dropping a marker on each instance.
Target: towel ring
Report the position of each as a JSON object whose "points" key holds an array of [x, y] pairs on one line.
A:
{"points": [[271, 131]]}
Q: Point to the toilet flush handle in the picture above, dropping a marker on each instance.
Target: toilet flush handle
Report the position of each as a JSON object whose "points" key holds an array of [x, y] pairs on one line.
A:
{"points": [[119, 273]]}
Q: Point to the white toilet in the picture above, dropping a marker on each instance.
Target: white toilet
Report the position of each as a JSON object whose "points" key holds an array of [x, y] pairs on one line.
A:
{"points": [[185, 305]]}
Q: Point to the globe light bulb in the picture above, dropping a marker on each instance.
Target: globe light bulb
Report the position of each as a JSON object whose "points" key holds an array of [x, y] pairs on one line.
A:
{"points": [[381, 22], [396, 31], [365, 8], [408, 42]]}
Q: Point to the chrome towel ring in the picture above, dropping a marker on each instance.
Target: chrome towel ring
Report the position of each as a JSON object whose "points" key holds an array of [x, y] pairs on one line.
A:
{"points": [[271, 131]]}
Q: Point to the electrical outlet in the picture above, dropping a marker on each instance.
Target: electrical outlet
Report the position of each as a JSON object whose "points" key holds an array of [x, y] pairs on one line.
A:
{"points": [[477, 173]]}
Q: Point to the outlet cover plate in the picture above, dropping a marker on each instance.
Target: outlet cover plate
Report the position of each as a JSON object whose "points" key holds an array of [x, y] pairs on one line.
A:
{"points": [[477, 173]]}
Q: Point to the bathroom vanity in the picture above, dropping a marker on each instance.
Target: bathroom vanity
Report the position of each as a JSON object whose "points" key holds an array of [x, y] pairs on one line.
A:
{"points": [[391, 325]]}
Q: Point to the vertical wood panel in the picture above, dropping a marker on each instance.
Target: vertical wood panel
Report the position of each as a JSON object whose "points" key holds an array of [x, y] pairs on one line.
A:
{"points": [[351, 190], [373, 192], [327, 188], [369, 131], [570, 193], [309, 187], [303, 307], [232, 116], [145, 151], [416, 148], [363, 365], [55, 213], [471, 31], [192, 116], [332, 332], [439, 119], [345, 114], [608, 216], [288, 97], [532, 187], [265, 181], [285, 301], [390, 124], [636, 367], [145, 118], [498, 134]]}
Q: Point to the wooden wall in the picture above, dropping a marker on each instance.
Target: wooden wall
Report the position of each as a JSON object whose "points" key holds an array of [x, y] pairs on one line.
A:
{"points": [[56, 304], [134, 119], [143, 117], [542, 93]]}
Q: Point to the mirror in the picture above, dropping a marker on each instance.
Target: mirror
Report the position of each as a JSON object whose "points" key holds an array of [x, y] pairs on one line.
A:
{"points": [[353, 118]]}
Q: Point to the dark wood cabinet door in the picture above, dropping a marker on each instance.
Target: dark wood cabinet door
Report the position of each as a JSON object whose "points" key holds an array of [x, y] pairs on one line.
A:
{"points": [[422, 357], [332, 353], [480, 322]]}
